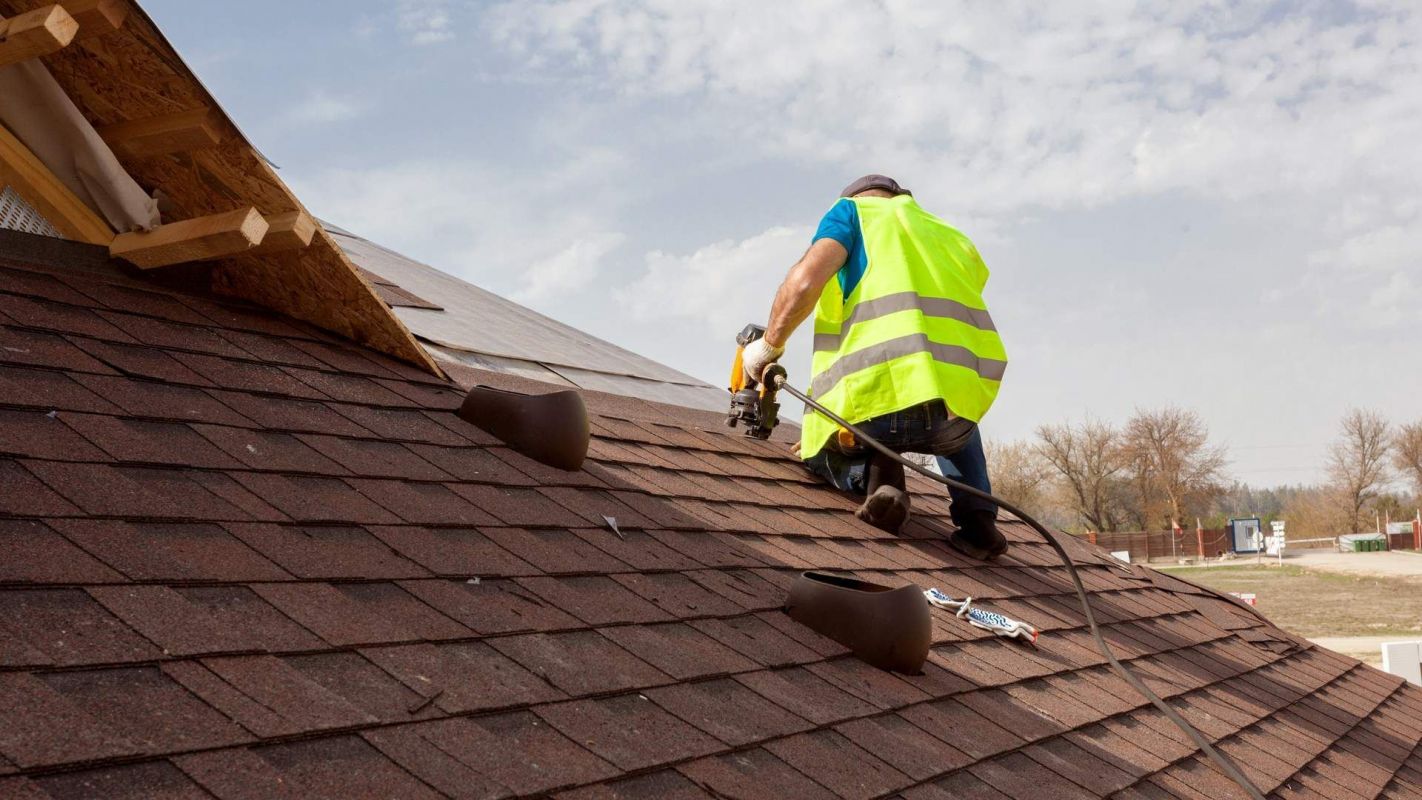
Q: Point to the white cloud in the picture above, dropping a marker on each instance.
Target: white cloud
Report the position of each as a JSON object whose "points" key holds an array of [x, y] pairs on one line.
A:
{"points": [[425, 22], [569, 270], [1020, 104], [685, 309], [531, 238], [322, 108], [708, 290], [1375, 269]]}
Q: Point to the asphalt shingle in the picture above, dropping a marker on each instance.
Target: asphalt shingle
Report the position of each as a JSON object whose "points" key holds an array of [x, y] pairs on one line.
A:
{"points": [[247, 559]]}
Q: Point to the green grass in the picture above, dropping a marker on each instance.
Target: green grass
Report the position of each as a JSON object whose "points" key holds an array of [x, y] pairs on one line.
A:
{"points": [[1314, 604]]}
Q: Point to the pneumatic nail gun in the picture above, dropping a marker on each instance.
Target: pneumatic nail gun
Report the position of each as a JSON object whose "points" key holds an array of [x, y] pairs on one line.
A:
{"points": [[753, 402]]}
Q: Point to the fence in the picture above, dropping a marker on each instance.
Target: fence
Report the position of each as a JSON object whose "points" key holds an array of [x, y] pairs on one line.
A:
{"points": [[1165, 545], [1149, 545], [1152, 545]]}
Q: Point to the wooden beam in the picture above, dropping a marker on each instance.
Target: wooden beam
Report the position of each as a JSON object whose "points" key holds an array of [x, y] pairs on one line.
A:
{"points": [[32, 180], [218, 236], [292, 230], [35, 33], [96, 17], [157, 136]]}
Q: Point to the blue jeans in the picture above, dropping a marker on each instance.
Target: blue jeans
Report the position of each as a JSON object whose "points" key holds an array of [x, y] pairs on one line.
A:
{"points": [[926, 428]]}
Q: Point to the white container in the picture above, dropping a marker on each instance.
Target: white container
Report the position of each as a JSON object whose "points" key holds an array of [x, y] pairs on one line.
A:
{"points": [[1403, 659]]}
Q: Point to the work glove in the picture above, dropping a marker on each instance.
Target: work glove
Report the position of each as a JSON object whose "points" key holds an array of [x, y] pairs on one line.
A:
{"points": [[758, 355]]}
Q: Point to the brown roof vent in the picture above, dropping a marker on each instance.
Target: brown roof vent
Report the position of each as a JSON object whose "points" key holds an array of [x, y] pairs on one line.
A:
{"points": [[886, 627], [549, 428]]}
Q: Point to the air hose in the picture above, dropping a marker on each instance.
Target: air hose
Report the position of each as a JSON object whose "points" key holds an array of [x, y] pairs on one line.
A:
{"points": [[1221, 761]]}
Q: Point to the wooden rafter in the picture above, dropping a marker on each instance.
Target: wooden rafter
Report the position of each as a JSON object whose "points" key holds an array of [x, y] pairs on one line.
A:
{"points": [[36, 33], [97, 17], [157, 136], [32, 180], [136, 74], [292, 230], [217, 236]]}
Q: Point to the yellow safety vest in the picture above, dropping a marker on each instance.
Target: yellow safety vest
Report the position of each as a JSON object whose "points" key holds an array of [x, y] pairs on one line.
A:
{"points": [[914, 329]]}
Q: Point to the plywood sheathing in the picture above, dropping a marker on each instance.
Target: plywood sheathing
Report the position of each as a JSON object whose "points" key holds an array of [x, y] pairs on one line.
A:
{"points": [[135, 74]]}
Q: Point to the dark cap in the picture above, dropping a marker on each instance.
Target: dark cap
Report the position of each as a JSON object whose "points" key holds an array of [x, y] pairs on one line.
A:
{"points": [[868, 182]]}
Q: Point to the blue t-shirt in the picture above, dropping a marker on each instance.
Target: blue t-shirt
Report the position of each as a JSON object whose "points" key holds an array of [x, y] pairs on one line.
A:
{"points": [[841, 223]]}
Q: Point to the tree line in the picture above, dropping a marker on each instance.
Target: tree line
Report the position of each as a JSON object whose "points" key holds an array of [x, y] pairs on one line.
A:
{"points": [[1161, 468]]}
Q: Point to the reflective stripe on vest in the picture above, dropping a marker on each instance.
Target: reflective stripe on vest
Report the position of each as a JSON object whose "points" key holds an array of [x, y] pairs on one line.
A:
{"points": [[824, 382], [914, 329], [907, 301]]}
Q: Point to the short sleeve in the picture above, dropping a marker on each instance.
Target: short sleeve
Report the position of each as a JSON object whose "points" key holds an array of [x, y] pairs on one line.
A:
{"points": [[840, 223]]}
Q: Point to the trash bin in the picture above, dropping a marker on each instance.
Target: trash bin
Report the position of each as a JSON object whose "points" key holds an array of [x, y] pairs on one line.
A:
{"points": [[1361, 543]]}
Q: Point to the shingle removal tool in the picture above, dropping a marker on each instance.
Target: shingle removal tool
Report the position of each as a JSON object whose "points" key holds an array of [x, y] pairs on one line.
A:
{"points": [[746, 409], [999, 624]]}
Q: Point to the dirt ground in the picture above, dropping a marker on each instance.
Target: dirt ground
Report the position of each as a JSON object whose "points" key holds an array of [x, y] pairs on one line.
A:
{"points": [[1396, 563], [1349, 602]]}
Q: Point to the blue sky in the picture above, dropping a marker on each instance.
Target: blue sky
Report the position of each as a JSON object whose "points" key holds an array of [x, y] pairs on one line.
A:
{"points": [[1213, 205]]}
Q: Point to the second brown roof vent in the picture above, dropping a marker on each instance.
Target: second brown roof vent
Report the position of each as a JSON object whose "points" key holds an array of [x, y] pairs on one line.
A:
{"points": [[890, 628], [549, 428]]}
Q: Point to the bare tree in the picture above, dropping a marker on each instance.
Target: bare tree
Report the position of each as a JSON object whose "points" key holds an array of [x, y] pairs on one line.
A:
{"points": [[1088, 458], [1175, 469], [1019, 474], [1407, 454], [1316, 511], [1357, 462], [1139, 500]]}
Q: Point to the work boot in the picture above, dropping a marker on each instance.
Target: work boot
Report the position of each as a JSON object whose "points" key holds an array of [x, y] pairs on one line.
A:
{"points": [[979, 537], [886, 509]]}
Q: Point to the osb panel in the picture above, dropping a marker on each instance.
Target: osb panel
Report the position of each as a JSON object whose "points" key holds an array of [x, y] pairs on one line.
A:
{"points": [[135, 74]]}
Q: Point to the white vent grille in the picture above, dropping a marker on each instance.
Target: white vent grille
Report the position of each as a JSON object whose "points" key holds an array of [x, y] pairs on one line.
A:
{"points": [[17, 215]]}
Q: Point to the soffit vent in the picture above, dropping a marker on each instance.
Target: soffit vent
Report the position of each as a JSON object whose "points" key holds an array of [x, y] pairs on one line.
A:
{"points": [[17, 215]]}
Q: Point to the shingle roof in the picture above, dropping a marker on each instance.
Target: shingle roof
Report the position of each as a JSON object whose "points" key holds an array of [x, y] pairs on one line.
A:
{"points": [[243, 558]]}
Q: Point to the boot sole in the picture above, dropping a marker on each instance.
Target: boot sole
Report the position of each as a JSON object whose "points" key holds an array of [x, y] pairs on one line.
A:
{"points": [[886, 509], [962, 545]]}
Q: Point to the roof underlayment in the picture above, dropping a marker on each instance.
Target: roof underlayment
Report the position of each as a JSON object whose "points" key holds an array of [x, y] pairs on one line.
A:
{"points": [[475, 327], [247, 559]]}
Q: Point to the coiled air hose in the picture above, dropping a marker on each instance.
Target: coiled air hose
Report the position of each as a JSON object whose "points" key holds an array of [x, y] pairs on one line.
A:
{"points": [[1221, 761]]}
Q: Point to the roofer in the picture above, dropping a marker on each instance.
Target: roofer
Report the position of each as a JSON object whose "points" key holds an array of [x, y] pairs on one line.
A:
{"points": [[904, 349]]}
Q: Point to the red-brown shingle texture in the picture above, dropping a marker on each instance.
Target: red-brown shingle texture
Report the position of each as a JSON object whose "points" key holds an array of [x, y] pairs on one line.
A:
{"points": [[244, 559]]}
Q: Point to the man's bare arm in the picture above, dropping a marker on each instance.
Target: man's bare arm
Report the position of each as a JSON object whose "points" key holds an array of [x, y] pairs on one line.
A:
{"points": [[801, 289]]}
